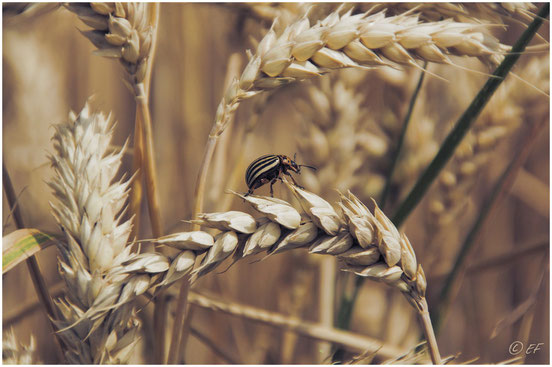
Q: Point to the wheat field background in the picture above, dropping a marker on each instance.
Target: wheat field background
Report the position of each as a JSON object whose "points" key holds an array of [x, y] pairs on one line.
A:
{"points": [[346, 123]]}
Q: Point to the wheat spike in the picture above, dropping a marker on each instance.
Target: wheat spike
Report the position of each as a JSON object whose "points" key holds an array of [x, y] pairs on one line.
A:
{"points": [[365, 240], [303, 50], [88, 208]]}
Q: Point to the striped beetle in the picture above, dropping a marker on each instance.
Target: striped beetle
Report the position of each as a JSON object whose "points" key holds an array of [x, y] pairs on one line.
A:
{"points": [[268, 168]]}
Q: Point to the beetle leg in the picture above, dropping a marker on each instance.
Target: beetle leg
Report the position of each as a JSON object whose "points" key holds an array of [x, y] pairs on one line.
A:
{"points": [[294, 182], [272, 183]]}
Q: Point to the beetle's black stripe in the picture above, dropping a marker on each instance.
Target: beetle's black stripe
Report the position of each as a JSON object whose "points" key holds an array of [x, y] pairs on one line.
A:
{"points": [[259, 166], [258, 161], [262, 167]]}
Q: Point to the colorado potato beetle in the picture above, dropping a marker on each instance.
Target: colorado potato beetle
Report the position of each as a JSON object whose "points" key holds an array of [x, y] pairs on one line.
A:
{"points": [[268, 168]]}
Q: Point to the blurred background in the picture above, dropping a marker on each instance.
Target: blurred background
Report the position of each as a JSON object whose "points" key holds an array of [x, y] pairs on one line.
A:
{"points": [[347, 124]]}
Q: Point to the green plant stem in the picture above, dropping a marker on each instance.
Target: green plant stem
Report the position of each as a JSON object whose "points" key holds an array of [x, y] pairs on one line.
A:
{"points": [[498, 192], [397, 152], [34, 270], [467, 119]]}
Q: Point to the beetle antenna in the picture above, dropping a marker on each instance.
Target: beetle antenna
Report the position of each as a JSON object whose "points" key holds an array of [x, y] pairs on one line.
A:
{"points": [[311, 167]]}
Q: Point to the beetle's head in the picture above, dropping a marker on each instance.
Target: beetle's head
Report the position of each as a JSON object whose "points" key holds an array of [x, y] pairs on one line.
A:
{"points": [[290, 164], [294, 166]]}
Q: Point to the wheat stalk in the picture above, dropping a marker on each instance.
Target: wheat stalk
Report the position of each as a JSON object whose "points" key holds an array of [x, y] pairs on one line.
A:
{"points": [[97, 324], [350, 340]]}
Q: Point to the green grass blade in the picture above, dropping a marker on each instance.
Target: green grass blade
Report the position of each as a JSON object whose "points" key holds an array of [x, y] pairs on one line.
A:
{"points": [[23, 244]]}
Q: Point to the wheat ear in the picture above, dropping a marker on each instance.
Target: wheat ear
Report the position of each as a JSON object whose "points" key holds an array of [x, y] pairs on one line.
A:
{"points": [[366, 241], [120, 31], [340, 41], [97, 325]]}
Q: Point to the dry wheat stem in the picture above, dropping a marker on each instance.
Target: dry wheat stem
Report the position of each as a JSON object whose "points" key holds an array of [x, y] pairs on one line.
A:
{"points": [[137, 158], [347, 339], [149, 162], [179, 321], [180, 332]]}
